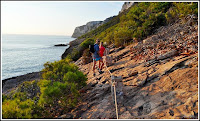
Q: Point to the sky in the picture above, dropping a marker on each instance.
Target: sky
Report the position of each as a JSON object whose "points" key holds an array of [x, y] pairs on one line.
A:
{"points": [[51, 17]]}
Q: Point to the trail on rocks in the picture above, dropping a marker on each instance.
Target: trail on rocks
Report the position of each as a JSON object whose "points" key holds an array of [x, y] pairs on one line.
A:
{"points": [[160, 78]]}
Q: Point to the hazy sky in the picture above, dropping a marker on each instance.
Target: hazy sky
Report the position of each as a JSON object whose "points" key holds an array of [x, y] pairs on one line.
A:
{"points": [[52, 18]]}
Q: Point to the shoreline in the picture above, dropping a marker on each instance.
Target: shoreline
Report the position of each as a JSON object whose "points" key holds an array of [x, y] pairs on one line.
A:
{"points": [[10, 83]]}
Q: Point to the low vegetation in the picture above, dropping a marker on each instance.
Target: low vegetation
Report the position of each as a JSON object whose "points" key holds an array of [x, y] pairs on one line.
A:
{"points": [[50, 97], [141, 20]]}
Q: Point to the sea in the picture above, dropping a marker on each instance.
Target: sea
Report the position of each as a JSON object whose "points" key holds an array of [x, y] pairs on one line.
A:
{"points": [[22, 54]]}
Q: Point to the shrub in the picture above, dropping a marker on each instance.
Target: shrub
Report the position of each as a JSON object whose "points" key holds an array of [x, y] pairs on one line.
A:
{"points": [[85, 44], [40, 99], [20, 104], [122, 35], [17, 109], [67, 82]]}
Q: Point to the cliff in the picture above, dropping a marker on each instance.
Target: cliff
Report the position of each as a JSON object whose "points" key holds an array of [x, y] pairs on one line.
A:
{"points": [[85, 28], [126, 6], [81, 30]]}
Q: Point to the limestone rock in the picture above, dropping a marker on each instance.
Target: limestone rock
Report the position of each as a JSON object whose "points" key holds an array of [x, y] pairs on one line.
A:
{"points": [[126, 5], [80, 30]]}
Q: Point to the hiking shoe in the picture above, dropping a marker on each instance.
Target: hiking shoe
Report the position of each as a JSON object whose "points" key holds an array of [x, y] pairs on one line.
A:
{"points": [[93, 74]]}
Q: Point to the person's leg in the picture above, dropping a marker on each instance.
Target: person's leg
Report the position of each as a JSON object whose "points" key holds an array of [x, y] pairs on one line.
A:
{"points": [[102, 64], [94, 63]]}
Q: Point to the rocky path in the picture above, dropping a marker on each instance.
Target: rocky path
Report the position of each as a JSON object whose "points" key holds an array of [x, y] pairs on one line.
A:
{"points": [[160, 81], [167, 90]]}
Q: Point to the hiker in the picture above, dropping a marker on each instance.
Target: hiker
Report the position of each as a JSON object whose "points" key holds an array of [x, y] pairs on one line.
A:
{"points": [[101, 52], [96, 57]]}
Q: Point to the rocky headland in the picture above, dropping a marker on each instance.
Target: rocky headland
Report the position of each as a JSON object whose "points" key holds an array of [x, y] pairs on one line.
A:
{"points": [[80, 30]]}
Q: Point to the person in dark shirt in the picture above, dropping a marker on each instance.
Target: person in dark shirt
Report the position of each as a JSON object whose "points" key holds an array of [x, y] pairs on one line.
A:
{"points": [[96, 56]]}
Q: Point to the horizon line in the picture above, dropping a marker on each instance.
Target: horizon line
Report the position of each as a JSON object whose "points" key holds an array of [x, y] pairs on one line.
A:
{"points": [[35, 34]]}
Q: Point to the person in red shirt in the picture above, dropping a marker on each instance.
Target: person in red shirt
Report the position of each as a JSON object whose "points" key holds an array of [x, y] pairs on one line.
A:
{"points": [[101, 54]]}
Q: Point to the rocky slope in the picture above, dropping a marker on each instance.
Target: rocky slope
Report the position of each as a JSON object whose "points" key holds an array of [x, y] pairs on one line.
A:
{"points": [[160, 78]]}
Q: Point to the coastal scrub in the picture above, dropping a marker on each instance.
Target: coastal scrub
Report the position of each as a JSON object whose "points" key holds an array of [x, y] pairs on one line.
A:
{"points": [[49, 97]]}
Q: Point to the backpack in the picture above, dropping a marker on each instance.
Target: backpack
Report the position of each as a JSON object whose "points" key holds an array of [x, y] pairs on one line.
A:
{"points": [[91, 47]]}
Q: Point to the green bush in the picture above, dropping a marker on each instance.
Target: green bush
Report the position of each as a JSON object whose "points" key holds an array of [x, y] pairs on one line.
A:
{"points": [[67, 82], [41, 99], [85, 44], [122, 35], [19, 104], [17, 109]]}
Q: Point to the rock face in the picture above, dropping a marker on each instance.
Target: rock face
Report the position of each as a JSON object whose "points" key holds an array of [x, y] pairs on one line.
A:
{"points": [[85, 28], [80, 30], [126, 5]]}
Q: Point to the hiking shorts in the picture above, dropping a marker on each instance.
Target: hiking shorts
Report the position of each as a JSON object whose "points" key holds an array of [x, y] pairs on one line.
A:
{"points": [[97, 59]]}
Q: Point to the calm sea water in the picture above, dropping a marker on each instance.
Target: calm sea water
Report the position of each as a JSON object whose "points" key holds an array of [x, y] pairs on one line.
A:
{"points": [[22, 54]]}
